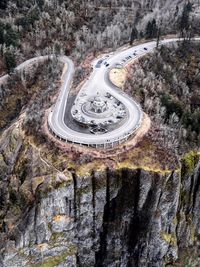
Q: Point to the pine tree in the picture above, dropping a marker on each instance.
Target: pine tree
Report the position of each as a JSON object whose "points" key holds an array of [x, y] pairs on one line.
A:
{"points": [[185, 18], [1, 33], [3, 4], [7, 35], [176, 12], [134, 35], [9, 59], [158, 37], [40, 3], [151, 29], [10, 36]]}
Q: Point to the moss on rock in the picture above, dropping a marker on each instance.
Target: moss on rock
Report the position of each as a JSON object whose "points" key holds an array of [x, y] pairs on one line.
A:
{"points": [[54, 261], [189, 161]]}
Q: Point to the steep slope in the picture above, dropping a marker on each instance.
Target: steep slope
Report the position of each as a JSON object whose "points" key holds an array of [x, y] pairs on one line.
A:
{"points": [[71, 207], [74, 28], [110, 216]]}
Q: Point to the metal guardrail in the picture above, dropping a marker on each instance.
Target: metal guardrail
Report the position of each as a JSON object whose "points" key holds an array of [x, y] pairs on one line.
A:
{"points": [[106, 144]]}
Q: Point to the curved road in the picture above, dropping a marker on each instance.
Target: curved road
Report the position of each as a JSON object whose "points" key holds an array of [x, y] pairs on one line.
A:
{"points": [[97, 82]]}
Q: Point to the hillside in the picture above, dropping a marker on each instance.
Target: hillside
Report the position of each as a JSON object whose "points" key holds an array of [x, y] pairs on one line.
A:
{"points": [[74, 28], [133, 205]]}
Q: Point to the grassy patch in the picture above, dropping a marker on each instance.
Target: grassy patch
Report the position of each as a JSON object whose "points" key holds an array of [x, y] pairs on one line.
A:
{"points": [[86, 170], [53, 261], [169, 238], [189, 162]]}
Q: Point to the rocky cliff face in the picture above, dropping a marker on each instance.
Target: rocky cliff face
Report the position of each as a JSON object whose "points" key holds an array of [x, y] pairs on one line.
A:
{"points": [[114, 217], [69, 206]]}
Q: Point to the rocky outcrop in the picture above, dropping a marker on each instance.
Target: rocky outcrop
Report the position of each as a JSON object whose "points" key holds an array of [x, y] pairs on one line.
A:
{"points": [[134, 208], [117, 217]]}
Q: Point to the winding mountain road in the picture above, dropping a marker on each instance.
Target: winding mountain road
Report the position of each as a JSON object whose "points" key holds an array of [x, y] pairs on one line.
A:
{"points": [[97, 82]]}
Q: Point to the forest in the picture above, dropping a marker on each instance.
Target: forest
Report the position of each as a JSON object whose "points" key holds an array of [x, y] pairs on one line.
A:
{"points": [[38, 27]]}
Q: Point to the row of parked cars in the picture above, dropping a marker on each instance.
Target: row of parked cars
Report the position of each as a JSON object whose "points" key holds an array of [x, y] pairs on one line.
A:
{"points": [[131, 56], [99, 63]]}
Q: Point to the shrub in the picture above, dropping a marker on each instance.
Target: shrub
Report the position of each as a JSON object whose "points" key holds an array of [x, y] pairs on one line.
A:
{"points": [[189, 161], [9, 59], [3, 4], [7, 35], [171, 105], [192, 120]]}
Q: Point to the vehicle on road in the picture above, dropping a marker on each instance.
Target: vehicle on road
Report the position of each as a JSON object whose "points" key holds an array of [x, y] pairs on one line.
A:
{"points": [[101, 97]]}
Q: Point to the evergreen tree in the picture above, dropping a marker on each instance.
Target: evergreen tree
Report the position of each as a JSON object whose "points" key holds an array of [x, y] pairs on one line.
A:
{"points": [[9, 59], [1, 33], [158, 33], [176, 12], [189, 6], [40, 3], [134, 35], [158, 37], [185, 18], [27, 21], [3, 4], [7, 35], [141, 34], [10, 36], [151, 29]]}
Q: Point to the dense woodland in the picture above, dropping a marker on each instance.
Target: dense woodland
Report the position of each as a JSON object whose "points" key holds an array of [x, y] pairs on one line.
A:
{"points": [[35, 27], [167, 86], [59, 204], [32, 27], [31, 92]]}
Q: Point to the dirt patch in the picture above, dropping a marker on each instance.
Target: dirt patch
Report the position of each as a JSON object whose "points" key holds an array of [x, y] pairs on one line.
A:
{"points": [[118, 76]]}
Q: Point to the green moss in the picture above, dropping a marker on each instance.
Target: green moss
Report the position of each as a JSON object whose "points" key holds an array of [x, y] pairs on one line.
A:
{"points": [[1, 157], [174, 221], [183, 196], [188, 258], [129, 165], [83, 190], [189, 161], [54, 261], [55, 236], [101, 182], [169, 238], [63, 184], [85, 170], [193, 233], [191, 262], [16, 210]]}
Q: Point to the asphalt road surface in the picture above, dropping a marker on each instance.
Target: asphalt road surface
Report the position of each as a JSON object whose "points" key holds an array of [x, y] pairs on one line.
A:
{"points": [[97, 82]]}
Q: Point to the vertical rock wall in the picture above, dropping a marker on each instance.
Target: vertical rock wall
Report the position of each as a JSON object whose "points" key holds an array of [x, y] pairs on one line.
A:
{"points": [[114, 218]]}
